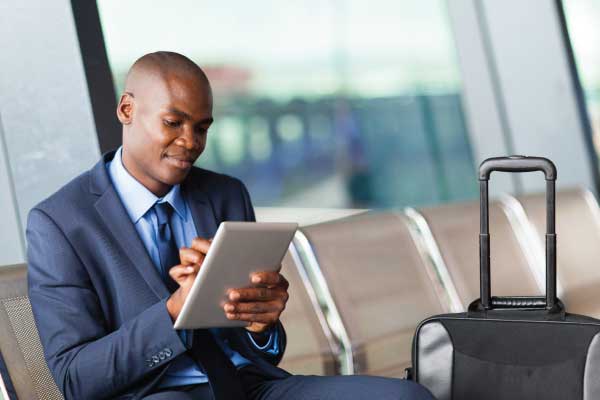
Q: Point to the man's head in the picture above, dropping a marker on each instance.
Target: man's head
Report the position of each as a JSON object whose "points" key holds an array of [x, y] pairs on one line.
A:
{"points": [[166, 110]]}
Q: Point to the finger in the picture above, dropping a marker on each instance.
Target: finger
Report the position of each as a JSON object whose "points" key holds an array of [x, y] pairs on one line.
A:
{"points": [[200, 244], [267, 318], [256, 307], [267, 278], [283, 282], [189, 256], [256, 294], [180, 272]]}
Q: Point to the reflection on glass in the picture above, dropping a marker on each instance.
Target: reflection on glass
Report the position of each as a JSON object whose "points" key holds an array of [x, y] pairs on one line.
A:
{"points": [[584, 32], [229, 136], [260, 146], [339, 103], [289, 128]]}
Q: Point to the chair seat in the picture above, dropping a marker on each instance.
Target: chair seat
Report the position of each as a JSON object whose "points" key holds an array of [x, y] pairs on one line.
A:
{"points": [[20, 346]]}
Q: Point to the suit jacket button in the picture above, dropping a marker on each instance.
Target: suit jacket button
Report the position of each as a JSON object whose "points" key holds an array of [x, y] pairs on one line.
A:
{"points": [[155, 359], [162, 355], [168, 352]]}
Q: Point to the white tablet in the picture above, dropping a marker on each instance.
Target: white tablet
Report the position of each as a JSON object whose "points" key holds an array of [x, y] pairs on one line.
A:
{"points": [[237, 250]]}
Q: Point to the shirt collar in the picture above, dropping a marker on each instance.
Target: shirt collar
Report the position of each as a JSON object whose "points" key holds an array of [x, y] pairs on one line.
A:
{"points": [[136, 198], [175, 198]]}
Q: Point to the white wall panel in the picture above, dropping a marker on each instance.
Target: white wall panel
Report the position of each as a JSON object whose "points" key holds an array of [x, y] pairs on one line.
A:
{"points": [[11, 239], [49, 129], [483, 113], [519, 89], [538, 88]]}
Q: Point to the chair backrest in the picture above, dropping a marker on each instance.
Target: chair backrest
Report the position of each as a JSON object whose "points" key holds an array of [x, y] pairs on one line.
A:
{"points": [[309, 350], [303, 216], [380, 285], [28, 375], [578, 246], [455, 228]]}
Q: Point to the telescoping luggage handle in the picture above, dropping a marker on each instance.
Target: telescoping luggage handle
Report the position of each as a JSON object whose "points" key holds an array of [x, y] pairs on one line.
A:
{"points": [[518, 164]]}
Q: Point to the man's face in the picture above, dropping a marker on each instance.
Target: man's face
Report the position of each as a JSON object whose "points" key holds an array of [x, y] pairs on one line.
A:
{"points": [[169, 121]]}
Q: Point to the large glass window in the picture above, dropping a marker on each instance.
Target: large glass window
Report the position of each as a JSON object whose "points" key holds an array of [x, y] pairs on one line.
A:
{"points": [[339, 103], [583, 18]]}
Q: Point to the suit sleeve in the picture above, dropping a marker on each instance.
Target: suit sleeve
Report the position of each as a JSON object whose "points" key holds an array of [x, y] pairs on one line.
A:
{"points": [[273, 350], [248, 208], [86, 359], [271, 345]]}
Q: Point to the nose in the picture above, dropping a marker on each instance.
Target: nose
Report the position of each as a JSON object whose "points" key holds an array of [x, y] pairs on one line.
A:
{"points": [[187, 139]]}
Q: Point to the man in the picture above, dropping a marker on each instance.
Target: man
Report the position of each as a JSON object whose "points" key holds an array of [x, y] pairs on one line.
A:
{"points": [[112, 256]]}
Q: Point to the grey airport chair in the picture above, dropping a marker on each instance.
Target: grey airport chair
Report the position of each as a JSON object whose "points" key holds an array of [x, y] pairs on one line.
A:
{"points": [[455, 230], [375, 286], [578, 246], [310, 349], [28, 374]]}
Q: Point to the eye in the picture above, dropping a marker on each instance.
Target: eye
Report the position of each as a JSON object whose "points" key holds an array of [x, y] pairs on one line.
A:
{"points": [[201, 130], [171, 123]]}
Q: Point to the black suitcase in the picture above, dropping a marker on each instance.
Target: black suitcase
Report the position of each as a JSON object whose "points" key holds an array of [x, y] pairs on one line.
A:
{"points": [[510, 348]]}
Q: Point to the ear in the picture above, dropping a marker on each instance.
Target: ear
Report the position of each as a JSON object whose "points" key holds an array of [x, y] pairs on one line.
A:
{"points": [[125, 108]]}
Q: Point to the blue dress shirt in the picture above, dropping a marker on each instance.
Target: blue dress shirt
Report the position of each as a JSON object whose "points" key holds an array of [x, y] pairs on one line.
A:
{"points": [[139, 202]]}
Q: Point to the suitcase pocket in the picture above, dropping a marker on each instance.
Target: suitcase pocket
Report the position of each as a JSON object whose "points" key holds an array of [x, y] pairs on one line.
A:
{"points": [[476, 379]]}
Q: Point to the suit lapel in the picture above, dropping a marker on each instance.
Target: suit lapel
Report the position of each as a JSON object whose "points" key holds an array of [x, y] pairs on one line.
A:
{"points": [[202, 210], [119, 224]]}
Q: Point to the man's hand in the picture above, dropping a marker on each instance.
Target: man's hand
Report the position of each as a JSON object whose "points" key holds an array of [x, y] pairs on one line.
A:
{"points": [[185, 273], [259, 305]]}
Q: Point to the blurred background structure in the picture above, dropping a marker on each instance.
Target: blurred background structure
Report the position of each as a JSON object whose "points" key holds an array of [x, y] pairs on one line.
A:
{"points": [[340, 104], [318, 103]]}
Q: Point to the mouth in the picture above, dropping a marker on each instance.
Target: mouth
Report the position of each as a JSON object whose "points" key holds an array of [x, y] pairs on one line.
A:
{"points": [[180, 162]]}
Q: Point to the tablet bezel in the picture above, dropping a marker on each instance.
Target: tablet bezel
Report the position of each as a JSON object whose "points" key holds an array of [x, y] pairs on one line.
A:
{"points": [[200, 311]]}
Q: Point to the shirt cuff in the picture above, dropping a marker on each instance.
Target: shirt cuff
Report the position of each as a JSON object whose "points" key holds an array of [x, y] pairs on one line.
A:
{"points": [[185, 336], [272, 345]]}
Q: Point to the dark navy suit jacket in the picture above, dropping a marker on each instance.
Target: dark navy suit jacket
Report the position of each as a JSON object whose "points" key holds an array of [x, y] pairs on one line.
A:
{"points": [[97, 299]]}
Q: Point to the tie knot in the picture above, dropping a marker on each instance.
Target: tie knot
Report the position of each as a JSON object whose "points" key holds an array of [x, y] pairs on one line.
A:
{"points": [[163, 212]]}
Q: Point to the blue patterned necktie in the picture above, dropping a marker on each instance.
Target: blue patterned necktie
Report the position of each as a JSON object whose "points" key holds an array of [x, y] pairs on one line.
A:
{"points": [[167, 249], [221, 373]]}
